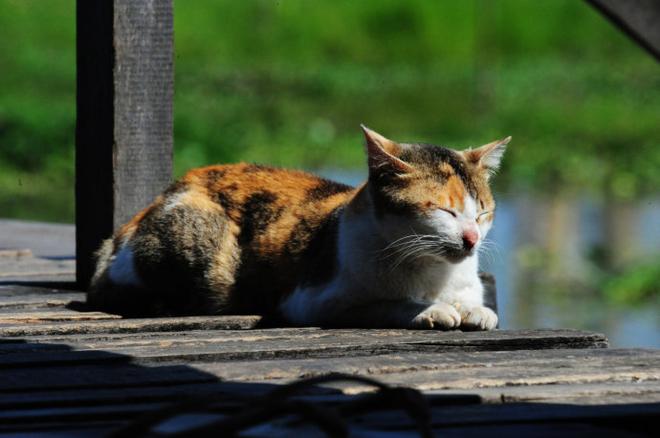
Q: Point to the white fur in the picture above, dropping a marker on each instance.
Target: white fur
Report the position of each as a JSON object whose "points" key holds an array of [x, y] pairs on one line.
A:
{"points": [[175, 200], [443, 222], [364, 278], [493, 158], [122, 268]]}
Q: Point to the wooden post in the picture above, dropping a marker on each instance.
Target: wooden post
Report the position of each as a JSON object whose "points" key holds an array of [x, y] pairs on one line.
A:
{"points": [[125, 87], [640, 19]]}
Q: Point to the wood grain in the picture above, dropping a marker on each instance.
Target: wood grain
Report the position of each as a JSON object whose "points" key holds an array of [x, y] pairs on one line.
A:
{"points": [[257, 345], [133, 325], [125, 87], [638, 19], [457, 370]]}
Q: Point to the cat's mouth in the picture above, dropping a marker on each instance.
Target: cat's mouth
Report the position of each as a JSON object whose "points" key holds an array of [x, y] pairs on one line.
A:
{"points": [[414, 248], [450, 253], [454, 252]]}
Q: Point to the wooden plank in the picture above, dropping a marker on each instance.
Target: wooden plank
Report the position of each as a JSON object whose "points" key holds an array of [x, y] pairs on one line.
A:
{"points": [[443, 414], [38, 301], [516, 420], [48, 429], [466, 341], [42, 239], [10, 316], [276, 343], [124, 116], [124, 411], [453, 370], [29, 268], [526, 412], [140, 378], [582, 394], [134, 326], [117, 373], [21, 297], [234, 391], [639, 19]]}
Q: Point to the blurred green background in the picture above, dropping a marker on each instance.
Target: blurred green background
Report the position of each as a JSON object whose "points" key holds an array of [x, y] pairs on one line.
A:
{"points": [[287, 82]]}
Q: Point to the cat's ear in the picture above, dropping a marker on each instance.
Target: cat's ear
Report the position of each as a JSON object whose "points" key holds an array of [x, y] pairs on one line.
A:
{"points": [[488, 156], [383, 153]]}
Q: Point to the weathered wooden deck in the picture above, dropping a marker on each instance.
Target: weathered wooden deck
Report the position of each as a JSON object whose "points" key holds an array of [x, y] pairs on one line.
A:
{"points": [[67, 372]]}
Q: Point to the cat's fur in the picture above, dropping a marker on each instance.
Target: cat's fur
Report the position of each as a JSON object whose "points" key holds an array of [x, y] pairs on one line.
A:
{"points": [[397, 251]]}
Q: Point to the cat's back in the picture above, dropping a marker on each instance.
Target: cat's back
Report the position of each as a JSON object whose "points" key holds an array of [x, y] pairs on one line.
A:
{"points": [[240, 188], [251, 195]]}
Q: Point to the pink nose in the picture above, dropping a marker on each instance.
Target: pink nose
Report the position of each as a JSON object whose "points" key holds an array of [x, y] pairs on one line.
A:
{"points": [[470, 238]]}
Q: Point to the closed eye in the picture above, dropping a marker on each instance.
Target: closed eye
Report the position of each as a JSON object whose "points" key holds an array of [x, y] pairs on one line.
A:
{"points": [[485, 213], [451, 212]]}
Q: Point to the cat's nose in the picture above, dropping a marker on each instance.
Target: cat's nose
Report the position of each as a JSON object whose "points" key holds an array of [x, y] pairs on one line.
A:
{"points": [[470, 238]]}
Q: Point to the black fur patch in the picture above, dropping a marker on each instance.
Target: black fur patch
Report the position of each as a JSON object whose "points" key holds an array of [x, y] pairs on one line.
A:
{"points": [[319, 257], [212, 176], [258, 213], [224, 200], [325, 189], [300, 237], [427, 154]]}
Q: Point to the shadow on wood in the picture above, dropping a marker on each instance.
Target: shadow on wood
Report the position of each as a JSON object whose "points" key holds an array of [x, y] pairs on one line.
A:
{"points": [[98, 392]]}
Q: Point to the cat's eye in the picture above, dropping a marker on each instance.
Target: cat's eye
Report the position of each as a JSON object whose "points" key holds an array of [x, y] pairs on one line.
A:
{"points": [[481, 216], [451, 212]]}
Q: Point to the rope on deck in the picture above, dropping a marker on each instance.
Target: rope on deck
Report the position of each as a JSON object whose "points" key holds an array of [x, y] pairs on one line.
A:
{"points": [[277, 404]]}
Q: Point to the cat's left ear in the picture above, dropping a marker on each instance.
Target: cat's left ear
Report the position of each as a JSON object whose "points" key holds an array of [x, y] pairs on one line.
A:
{"points": [[383, 153], [487, 156]]}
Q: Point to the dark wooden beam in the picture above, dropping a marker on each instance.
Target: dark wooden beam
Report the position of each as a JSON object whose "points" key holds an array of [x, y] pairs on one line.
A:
{"points": [[640, 19], [125, 87]]}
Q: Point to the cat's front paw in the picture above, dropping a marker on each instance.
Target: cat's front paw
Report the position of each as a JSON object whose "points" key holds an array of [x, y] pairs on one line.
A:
{"points": [[437, 316], [478, 318]]}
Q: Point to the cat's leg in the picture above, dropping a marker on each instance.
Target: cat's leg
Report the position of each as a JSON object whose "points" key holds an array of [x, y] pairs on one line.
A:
{"points": [[325, 308], [478, 318], [466, 296]]}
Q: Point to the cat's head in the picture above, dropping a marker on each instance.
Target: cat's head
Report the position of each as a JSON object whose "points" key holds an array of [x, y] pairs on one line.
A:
{"points": [[431, 198]]}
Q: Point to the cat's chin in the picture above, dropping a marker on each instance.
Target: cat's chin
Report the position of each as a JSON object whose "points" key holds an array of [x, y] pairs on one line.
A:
{"points": [[456, 257], [452, 256]]}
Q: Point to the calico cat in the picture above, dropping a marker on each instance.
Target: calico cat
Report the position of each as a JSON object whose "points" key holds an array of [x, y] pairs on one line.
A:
{"points": [[398, 251]]}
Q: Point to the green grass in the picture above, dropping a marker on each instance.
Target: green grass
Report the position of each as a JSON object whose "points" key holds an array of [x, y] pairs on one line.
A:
{"points": [[288, 82]]}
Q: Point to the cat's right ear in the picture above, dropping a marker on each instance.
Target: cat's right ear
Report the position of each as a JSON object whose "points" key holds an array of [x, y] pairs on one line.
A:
{"points": [[488, 156], [383, 153]]}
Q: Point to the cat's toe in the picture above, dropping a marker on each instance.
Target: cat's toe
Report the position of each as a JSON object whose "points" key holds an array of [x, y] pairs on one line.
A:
{"points": [[439, 316], [479, 318]]}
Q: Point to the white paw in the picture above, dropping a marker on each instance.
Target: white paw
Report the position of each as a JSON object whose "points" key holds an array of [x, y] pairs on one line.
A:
{"points": [[440, 316], [478, 318]]}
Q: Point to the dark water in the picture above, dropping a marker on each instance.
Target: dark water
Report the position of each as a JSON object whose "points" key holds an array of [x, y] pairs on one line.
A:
{"points": [[543, 262]]}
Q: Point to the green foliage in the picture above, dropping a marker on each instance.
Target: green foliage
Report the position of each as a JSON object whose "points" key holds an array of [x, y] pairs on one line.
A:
{"points": [[287, 82], [637, 284]]}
